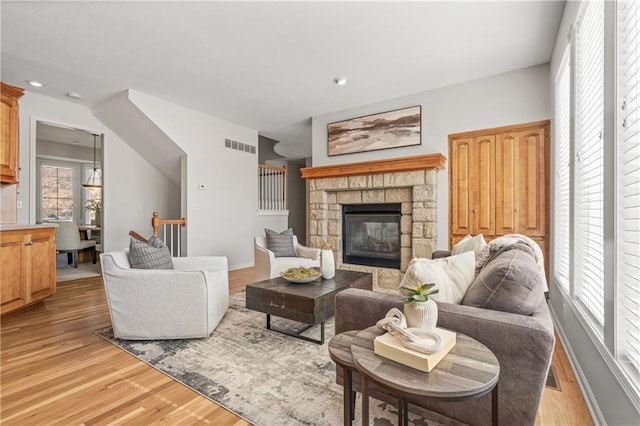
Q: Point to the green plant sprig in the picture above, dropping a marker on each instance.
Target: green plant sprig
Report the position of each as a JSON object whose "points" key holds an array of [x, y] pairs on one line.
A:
{"points": [[420, 293]]}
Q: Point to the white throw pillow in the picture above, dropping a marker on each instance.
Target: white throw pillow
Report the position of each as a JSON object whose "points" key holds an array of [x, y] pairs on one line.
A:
{"points": [[452, 275], [469, 243]]}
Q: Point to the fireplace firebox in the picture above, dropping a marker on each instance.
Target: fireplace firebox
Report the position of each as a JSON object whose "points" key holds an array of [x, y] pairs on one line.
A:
{"points": [[371, 234]]}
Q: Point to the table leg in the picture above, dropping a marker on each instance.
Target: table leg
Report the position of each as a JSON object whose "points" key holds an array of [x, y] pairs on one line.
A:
{"points": [[400, 417], [494, 406], [353, 404], [322, 332], [365, 401], [348, 407], [405, 412], [268, 322]]}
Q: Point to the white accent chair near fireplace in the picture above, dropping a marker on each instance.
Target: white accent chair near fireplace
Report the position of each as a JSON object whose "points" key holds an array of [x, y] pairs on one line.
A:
{"points": [[186, 302], [267, 265]]}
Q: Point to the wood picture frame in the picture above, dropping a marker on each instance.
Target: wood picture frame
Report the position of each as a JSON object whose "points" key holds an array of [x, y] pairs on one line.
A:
{"points": [[384, 130]]}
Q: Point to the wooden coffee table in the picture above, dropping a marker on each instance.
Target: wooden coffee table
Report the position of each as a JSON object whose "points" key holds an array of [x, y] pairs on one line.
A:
{"points": [[470, 370], [311, 303]]}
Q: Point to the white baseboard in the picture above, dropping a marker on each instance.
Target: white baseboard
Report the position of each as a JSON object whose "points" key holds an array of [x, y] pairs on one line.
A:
{"points": [[240, 266]]}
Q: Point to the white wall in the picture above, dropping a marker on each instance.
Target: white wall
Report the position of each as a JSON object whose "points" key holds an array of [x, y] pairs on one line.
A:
{"points": [[221, 220], [515, 97], [132, 188]]}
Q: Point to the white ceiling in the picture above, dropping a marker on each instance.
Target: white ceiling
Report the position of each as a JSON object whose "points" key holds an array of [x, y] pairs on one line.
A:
{"points": [[46, 132], [269, 65]]}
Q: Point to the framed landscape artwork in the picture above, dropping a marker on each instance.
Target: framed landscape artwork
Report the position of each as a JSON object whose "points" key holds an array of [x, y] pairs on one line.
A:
{"points": [[391, 129]]}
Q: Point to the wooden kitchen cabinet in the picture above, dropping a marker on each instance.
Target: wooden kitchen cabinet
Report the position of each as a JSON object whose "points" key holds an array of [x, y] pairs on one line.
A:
{"points": [[9, 142], [28, 260], [499, 183]]}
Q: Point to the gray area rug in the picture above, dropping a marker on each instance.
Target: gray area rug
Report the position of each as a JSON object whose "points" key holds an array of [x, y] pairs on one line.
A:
{"points": [[84, 270], [263, 376]]}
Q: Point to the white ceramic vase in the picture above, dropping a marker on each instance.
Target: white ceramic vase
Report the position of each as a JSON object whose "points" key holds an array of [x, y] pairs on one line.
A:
{"points": [[423, 315], [327, 264]]}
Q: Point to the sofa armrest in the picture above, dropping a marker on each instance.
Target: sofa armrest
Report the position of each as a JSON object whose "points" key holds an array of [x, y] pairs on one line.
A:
{"points": [[308, 252], [438, 254], [357, 309], [201, 263]]}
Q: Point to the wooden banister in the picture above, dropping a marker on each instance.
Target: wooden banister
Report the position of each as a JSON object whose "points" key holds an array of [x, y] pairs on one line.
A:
{"points": [[156, 222], [137, 236]]}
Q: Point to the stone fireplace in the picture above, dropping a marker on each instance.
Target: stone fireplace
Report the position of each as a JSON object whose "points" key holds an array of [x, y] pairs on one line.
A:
{"points": [[410, 183]]}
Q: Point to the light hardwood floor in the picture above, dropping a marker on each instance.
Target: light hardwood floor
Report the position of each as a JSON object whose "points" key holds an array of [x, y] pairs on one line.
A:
{"points": [[55, 370]]}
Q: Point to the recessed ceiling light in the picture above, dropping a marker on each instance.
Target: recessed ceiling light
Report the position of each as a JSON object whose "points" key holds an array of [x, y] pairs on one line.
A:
{"points": [[74, 95], [35, 83], [341, 80]]}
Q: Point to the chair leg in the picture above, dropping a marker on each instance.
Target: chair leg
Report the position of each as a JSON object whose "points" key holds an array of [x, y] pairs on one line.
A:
{"points": [[69, 258], [93, 254], [75, 258]]}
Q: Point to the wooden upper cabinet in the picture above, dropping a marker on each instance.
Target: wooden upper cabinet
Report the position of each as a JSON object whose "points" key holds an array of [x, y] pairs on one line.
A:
{"points": [[9, 136]]}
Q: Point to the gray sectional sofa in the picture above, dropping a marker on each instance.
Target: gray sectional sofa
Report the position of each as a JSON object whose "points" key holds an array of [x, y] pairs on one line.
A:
{"points": [[523, 343]]}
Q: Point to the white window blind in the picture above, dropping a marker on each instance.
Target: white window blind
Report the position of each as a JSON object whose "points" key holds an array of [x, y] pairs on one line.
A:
{"points": [[563, 189], [628, 186], [589, 161]]}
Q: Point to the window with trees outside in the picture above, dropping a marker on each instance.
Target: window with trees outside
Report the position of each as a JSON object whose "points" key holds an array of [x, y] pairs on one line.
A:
{"points": [[57, 192]]}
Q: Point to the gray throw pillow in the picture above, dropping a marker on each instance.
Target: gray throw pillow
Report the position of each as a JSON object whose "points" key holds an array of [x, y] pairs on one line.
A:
{"points": [[511, 282], [152, 255], [281, 244]]}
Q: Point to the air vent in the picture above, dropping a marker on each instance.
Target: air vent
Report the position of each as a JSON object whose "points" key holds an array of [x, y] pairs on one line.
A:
{"points": [[239, 146]]}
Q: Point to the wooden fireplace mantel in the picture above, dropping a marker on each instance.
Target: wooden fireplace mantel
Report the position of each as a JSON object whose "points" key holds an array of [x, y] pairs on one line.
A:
{"points": [[405, 164]]}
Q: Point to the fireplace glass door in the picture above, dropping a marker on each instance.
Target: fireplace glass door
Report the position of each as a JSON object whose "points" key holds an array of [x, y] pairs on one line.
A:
{"points": [[371, 235]]}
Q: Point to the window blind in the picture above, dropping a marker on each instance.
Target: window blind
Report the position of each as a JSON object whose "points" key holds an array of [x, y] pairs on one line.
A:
{"points": [[563, 191], [589, 164], [628, 185]]}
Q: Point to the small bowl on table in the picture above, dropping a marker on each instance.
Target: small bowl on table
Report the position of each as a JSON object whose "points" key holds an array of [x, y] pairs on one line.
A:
{"points": [[301, 275]]}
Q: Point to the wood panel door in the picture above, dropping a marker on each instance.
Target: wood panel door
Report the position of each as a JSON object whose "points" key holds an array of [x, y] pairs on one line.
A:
{"points": [[507, 182], [460, 175], [14, 272], [483, 182], [533, 177]]}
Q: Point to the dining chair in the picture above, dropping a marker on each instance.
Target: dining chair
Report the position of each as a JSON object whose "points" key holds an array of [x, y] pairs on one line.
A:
{"points": [[68, 241]]}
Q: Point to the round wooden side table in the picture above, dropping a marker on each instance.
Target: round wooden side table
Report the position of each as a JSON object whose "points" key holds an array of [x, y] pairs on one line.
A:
{"points": [[340, 353], [470, 370]]}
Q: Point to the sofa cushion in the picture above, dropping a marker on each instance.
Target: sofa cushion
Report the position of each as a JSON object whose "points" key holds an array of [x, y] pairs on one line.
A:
{"points": [[281, 244], [469, 243], [452, 275], [511, 282], [152, 255]]}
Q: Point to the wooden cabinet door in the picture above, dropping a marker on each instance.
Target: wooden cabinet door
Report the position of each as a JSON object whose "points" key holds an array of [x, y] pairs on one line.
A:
{"points": [[533, 174], [42, 271], [13, 273], [460, 197], [9, 134], [483, 179], [507, 182]]}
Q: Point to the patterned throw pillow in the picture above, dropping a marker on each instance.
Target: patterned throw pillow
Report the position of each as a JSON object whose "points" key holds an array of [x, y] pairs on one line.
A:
{"points": [[152, 255], [281, 244]]}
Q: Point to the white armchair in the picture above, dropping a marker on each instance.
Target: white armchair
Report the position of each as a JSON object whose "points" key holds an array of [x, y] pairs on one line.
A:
{"points": [[153, 304], [268, 266]]}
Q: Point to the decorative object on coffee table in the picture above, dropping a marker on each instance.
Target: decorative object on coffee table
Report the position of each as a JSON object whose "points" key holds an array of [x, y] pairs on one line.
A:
{"points": [[327, 264], [301, 275], [420, 310]]}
